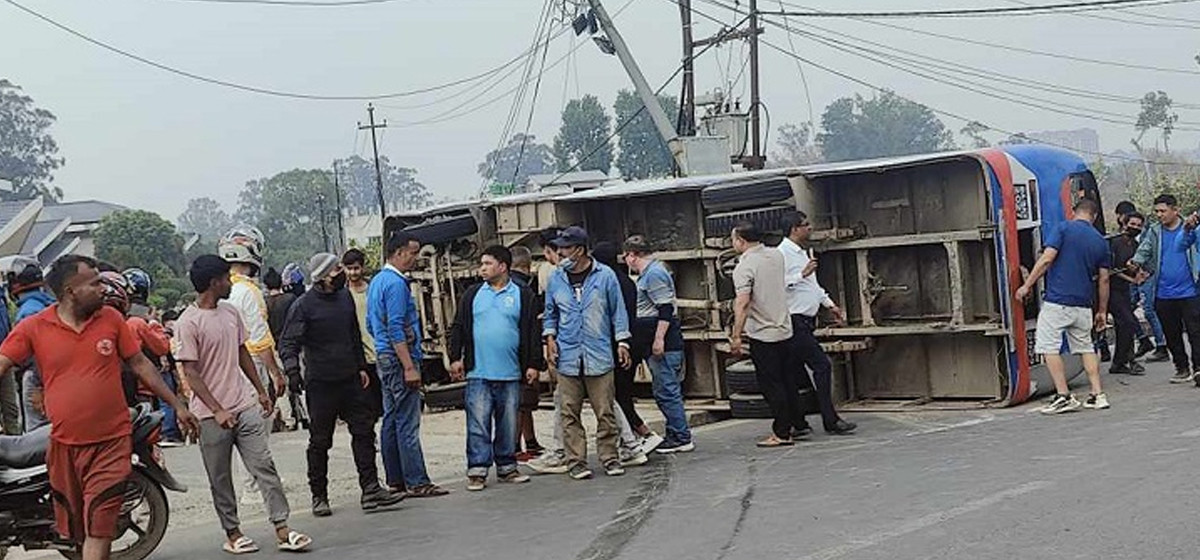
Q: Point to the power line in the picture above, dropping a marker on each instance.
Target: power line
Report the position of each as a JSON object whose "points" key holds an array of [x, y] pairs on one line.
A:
{"points": [[935, 110], [1023, 50], [1171, 23], [248, 88], [304, 3], [1069, 7], [980, 73]]}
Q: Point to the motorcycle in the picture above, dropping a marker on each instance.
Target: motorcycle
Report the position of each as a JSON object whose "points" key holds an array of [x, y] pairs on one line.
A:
{"points": [[27, 513]]}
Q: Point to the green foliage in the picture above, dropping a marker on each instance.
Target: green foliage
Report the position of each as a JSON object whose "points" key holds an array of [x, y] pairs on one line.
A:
{"points": [[515, 162], [130, 238], [643, 152], [359, 192], [1156, 113], [795, 146], [27, 151], [287, 208], [884, 125], [1142, 181], [205, 217], [974, 132], [585, 129], [374, 252], [140, 238]]}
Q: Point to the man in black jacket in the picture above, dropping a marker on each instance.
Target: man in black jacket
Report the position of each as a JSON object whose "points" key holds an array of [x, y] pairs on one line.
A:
{"points": [[495, 345], [323, 323]]}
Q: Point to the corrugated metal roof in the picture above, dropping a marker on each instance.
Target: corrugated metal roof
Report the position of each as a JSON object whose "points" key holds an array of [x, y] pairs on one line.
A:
{"points": [[80, 212], [10, 210], [59, 247], [655, 186], [40, 231], [881, 164]]}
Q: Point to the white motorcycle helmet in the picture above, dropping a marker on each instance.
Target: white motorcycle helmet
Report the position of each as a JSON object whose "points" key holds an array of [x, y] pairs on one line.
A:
{"points": [[243, 244]]}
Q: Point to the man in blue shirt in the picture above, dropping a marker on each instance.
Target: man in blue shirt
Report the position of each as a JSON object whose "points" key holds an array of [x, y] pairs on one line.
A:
{"points": [[1075, 262], [584, 313], [393, 322], [1168, 254], [495, 345]]}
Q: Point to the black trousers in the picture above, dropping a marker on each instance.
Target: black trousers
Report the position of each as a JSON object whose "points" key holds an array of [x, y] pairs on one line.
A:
{"points": [[328, 401], [374, 393], [810, 356], [1178, 316], [623, 379], [779, 384], [1120, 304]]}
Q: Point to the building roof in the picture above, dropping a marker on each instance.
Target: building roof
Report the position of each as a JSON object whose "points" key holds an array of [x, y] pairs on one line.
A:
{"points": [[61, 246], [43, 234], [80, 211]]}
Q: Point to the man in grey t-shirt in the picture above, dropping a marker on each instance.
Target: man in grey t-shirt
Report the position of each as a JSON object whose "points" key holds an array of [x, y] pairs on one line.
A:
{"points": [[761, 315]]}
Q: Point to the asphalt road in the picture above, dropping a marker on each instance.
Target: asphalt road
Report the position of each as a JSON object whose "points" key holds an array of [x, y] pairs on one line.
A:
{"points": [[978, 484]]}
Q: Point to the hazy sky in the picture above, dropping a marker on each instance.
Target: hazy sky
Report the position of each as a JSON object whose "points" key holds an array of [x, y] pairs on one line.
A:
{"points": [[142, 137]]}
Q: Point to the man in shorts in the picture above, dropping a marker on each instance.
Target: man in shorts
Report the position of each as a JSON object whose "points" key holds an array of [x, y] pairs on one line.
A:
{"points": [[1076, 263], [79, 345]]}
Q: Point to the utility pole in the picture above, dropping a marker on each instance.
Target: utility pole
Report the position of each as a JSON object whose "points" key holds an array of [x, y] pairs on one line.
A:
{"points": [[756, 160], [337, 196], [375, 149], [687, 98], [324, 229]]}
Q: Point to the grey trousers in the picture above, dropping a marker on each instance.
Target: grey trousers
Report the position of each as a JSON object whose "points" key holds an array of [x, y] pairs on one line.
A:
{"points": [[10, 405], [250, 436]]}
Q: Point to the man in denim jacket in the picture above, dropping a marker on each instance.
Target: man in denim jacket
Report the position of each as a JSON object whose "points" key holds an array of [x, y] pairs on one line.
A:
{"points": [[1167, 256], [584, 313]]}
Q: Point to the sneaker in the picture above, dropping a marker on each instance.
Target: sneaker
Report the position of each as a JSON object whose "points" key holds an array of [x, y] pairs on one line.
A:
{"points": [[1120, 369], [670, 447], [549, 463], [320, 507], [476, 483], [1137, 369], [1096, 402], [579, 471], [650, 443], [633, 458], [1145, 346], [1160, 354], [613, 468], [524, 457], [1183, 376], [802, 433], [841, 428], [377, 498], [1061, 404], [515, 477]]}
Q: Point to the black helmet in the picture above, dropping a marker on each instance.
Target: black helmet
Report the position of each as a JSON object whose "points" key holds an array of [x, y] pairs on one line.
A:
{"points": [[140, 284]]}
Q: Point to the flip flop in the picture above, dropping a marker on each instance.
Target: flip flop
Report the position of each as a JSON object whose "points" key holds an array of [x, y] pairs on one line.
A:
{"points": [[427, 491], [243, 545], [295, 542], [775, 441]]}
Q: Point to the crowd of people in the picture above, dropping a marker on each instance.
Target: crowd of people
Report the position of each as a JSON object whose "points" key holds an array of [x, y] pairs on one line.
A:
{"points": [[259, 351], [1088, 278]]}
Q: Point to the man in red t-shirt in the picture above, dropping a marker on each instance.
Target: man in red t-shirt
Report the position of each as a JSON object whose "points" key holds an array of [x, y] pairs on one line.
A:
{"points": [[79, 345]]}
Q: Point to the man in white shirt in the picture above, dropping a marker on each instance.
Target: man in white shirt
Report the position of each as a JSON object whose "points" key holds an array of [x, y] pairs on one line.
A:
{"points": [[806, 297]]}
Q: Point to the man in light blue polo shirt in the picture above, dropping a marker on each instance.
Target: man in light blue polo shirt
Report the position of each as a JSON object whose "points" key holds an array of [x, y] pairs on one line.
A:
{"points": [[495, 345]]}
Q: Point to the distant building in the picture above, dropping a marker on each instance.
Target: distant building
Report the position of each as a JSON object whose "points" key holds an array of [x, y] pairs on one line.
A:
{"points": [[1084, 141], [362, 230], [46, 231]]}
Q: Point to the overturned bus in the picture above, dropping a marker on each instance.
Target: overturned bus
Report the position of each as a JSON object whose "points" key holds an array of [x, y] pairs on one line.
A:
{"points": [[923, 252]]}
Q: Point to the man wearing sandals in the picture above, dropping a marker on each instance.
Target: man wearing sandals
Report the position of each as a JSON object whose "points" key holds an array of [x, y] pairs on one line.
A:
{"points": [[394, 323], [760, 313], [224, 382]]}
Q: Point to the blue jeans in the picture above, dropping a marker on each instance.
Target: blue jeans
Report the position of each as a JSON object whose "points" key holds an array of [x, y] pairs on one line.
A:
{"points": [[492, 404], [170, 428], [667, 374], [1142, 294], [400, 437]]}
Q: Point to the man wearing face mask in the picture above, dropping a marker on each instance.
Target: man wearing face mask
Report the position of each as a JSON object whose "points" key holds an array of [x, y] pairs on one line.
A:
{"points": [[1120, 302], [324, 324]]}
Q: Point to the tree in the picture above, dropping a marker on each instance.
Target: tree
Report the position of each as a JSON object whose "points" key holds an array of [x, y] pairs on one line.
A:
{"points": [[1156, 113], [974, 132], [288, 209], [27, 151], [795, 146], [140, 238], [401, 190], [514, 163], [205, 217], [585, 129], [884, 125], [643, 152]]}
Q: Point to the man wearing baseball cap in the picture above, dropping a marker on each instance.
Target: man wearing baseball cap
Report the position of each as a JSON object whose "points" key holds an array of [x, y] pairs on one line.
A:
{"points": [[324, 324], [584, 313]]}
